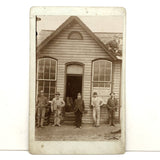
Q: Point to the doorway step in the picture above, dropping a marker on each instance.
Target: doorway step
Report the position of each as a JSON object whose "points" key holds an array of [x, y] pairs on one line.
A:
{"points": [[69, 118]]}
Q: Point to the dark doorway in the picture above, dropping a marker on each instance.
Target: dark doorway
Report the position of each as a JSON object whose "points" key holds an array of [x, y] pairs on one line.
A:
{"points": [[73, 86]]}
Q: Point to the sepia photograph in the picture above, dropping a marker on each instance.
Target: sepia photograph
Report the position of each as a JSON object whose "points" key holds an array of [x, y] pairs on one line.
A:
{"points": [[78, 80]]}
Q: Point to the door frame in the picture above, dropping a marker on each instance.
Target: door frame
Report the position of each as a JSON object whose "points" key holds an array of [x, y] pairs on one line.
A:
{"points": [[65, 79]]}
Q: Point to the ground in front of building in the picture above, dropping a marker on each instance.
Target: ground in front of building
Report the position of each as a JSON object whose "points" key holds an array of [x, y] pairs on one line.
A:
{"points": [[70, 133]]}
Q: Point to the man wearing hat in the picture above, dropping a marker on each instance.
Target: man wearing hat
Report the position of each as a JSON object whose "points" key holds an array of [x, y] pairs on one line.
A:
{"points": [[96, 103], [41, 104], [56, 107], [112, 107]]}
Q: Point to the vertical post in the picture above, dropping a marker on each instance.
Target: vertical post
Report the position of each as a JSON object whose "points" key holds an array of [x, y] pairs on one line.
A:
{"points": [[37, 19], [120, 90]]}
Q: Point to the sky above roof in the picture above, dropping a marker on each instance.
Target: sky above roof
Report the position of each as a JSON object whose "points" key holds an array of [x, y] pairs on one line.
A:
{"points": [[95, 23]]}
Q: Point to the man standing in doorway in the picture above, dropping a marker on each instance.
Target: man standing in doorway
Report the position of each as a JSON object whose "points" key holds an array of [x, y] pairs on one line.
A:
{"points": [[56, 107], [41, 104], [78, 110], [112, 107], [96, 104]]}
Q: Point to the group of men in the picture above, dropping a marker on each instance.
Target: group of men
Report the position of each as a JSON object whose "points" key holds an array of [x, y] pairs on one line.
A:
{"points": [[56, 107], [96, 104], [58, 103]]}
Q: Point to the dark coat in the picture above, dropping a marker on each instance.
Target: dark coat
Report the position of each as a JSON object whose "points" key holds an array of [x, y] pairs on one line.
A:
{"points": [[112, 104], [79, 105]]}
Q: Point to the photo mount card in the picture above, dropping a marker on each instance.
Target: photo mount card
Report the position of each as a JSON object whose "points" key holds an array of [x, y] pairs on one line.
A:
{"points": [[77, 80]]}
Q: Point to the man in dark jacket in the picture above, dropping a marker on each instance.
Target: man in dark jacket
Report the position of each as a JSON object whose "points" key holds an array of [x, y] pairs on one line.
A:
{"points": [[78, 110], [112, 107]]}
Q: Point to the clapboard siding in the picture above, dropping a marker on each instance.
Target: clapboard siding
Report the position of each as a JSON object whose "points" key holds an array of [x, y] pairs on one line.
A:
{"points": [[83, 51]]}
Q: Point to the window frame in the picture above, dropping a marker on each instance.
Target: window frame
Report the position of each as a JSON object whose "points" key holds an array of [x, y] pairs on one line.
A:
{"points": [[105, 88], [93, 63], [49, 79]]}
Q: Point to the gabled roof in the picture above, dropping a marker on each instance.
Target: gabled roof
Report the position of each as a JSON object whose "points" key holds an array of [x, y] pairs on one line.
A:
{"points": [[50, 36], [106, 37], [43, 34]]}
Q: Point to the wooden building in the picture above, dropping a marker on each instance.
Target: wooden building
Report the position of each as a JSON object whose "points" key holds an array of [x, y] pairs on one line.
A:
{"points": [[73, 59]]}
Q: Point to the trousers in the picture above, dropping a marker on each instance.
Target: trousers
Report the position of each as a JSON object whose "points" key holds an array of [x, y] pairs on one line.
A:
{"points": [[40, 116], [57, 117], [96, 115], [111, 117], [78, 115]]}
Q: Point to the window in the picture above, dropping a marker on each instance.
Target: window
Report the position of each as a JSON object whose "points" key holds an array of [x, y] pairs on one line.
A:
{"points": [[75, 35], [46, 76], [102, 78]]}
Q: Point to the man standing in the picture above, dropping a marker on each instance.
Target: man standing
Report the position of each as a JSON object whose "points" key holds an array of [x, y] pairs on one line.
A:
{"points": [[96, 103], [78, 110], [112, 107], [41, 105], [56, 107]]}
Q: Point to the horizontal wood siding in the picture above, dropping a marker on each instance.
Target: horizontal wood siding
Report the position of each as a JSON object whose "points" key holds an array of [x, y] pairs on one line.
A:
{"points": [[116, 67], [83, 51]]}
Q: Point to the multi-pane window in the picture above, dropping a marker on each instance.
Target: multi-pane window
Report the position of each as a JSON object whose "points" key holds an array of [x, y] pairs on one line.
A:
{"points": [[46, 76], [102, 78]]}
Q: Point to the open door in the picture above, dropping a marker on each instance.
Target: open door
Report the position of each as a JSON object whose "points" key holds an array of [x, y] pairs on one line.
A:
{"points": [[74, 78], [74, 86]]}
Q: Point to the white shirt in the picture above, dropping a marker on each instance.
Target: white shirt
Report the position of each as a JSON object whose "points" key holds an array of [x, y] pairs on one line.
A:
{"points": [[96, 102], [57, 103]]}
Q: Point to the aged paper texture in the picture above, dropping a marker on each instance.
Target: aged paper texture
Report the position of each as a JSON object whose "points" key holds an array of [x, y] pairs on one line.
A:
{"points": [[77, 80]]}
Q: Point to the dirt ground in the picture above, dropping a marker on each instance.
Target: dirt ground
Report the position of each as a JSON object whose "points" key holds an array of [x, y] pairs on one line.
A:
{"points": [[70, 133]]}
